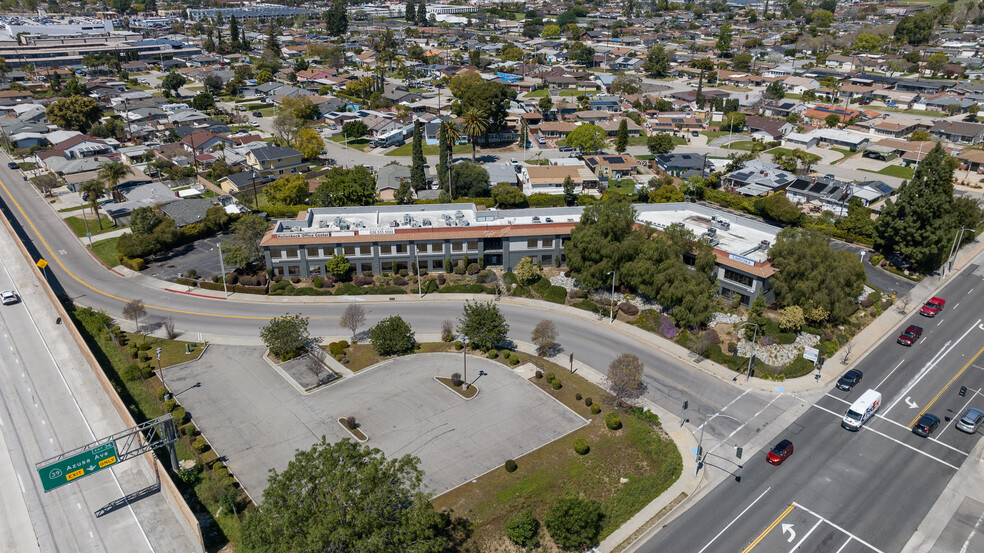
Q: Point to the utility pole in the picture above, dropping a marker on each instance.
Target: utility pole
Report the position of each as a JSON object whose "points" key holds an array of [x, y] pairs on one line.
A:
{"points": [[225, 285], [751, 357], [613, 296], [416, 260], [256, 199], [464, 363]]}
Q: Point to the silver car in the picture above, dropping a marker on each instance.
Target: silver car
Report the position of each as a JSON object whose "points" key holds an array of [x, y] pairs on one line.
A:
{"points": [[9, 297], [971, 420]]}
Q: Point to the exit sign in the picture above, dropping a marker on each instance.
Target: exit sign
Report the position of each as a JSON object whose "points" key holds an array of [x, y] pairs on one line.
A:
{"points": [[63, 471]]}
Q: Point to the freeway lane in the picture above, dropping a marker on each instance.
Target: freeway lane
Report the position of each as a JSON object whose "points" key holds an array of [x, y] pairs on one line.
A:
{"points": [[865, 491], [79, 277]]}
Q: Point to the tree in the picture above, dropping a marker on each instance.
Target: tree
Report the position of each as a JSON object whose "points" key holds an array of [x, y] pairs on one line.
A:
{"points": [[134, 310], [587, 138], [508, 196], [742, 61], [858, 221], [4, 69], [622, 136], [734, 121], [213, 84], [811, 274], [723, 43], [144, 219], [919, 223], [272, 45], [832, 120], [302, 108], [657, 62], [410, 12], [775, 90], [624, 378], [94, 188], [544, 336], [404, 194], [203, 101], [353, 318], [336, 18], [470, 180], [286, 124], [626, 84], [574, 524], [173, 81], [523, 529], [778, 208], [418, 178], [603, 241], [244, 247], [570, 198], [286, 336], [660, 143], [821, 18], [354, 129], [550, 31], [444, 154], [76, 113], [937, 62], [309, 143], [113, 173], [527, 272], [346, 497], [868, 43], [343, 187], [339, 266], [289, 190], [483, 324], [74, 87], [392, 336], [476, 124], [915, 29], [791, 318], [545, 104]]}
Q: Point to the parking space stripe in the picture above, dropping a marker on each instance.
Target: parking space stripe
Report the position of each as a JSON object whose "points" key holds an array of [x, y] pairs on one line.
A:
{"points": [[952, 380], [741, 514], [769, 529], [866, 544], [901, 443], [849, 538], [806, 535]]}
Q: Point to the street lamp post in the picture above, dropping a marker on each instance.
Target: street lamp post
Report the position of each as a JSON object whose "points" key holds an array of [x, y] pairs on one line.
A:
{"points": [[613, 296], [256, 199], [225, 286], [416, 260], [464, 363], [751, 357]]}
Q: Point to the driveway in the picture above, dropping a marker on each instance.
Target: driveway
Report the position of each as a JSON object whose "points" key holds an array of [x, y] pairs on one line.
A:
{"points": [[877, 278], [251, 415], [201, 255]]}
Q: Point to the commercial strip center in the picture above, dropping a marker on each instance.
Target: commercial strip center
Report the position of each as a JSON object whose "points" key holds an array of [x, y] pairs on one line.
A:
{"points": [[387, 239]]}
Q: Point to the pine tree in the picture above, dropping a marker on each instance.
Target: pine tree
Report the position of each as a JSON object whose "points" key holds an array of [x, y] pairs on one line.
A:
{"points": [[411, 12], [234, 34], [622, 137], [920, 223], [272, 44], [418, 179], [336, 19], [442, 165], [422, 13], [244, 42]]}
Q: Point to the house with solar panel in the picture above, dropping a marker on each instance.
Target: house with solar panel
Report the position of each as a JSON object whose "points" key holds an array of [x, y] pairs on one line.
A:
{"points": [[758, 178]]}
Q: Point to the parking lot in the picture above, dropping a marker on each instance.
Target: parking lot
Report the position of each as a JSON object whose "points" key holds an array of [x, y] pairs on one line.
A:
{"points": [[202, 255], [256, 420]]}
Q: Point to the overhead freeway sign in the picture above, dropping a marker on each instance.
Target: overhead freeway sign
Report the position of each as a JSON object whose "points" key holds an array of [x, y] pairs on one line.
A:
{"points": [[65, 470]]}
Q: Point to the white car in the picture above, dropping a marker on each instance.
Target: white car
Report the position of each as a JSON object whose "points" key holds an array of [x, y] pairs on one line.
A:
{"points": [[254, 124], [9, 297]]}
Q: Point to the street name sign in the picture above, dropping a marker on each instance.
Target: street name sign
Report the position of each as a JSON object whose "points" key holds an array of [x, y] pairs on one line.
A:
{"points": [[811, 354], [65, 470]]}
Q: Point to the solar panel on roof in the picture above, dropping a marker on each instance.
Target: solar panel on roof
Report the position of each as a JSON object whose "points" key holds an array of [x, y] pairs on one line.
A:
{"points": [[799, 185], [818, 188]]}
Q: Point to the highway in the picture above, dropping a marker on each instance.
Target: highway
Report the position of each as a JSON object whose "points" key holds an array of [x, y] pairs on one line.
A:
{"points": [[50, 403], [842, 491]]}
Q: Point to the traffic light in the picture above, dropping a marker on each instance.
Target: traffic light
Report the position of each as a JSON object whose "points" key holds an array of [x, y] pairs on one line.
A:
{"points": [[685, 405], [963, 391], [738, 453]]}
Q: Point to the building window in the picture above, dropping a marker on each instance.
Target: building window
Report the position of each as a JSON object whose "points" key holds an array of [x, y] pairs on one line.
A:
{"points": [[290, 252], [386, 266], [349, 250], [314, 269], [385, 249], [365, 250], [365, 267], [293, 270], [548, 242], [473, 246], [546, 259], [399, 248], [313, 252], [733, 276], [436, 247], [531, 243], [457, 246]]}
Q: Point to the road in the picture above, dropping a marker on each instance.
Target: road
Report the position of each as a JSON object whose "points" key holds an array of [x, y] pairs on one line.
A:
{"points": [[50, 403], [864, 491]]}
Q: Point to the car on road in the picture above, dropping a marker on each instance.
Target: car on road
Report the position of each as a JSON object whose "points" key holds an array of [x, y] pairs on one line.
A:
{"points": [[12, 165], [9, 297], [254, 124], [565, 149], [932, 307], [257, 114], [780, 452], [926, 425], [910, 335], [849, 380], [514, 161], [971, 420]]}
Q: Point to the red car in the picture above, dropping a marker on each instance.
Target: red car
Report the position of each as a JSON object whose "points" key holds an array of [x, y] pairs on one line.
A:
{"points": [[780, 453], [932, 307], [910, 335]]}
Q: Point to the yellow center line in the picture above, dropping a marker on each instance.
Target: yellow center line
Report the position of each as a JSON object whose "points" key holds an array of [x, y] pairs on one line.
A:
{"points": [[98, 291], [769, 529], [930, 404]]}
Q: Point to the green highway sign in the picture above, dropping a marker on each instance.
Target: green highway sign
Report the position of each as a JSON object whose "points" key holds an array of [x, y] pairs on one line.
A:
{"points": [[65, 470]]}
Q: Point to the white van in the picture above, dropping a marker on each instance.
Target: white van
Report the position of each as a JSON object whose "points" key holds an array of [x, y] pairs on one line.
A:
{"points": [[861, 410]]}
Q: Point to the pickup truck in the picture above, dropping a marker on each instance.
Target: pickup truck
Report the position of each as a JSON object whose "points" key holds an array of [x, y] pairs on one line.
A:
{"points": [[932, 307]]}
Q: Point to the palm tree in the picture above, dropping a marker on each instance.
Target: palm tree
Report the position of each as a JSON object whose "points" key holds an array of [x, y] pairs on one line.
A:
{"points": [[112, 173], [476, 123], [452, 134], [95, 188]]}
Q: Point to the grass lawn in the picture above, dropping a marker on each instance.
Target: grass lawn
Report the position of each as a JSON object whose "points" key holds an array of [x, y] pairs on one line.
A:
{"points": [[538, 93], [711, 135], [139, 87], [576, 93], [267, 112], [361, 356], [105, 250], [741, 145], [27, 166], [78, 225], [70, 209], [930, 113], [636, 452], [844, 153], [893, 171], [628, 187], [429, 150], [195, 88], [779, 150]]}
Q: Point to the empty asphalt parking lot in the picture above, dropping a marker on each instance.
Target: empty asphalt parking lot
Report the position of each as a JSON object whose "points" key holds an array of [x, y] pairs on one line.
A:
{"points": [[256, 420]]}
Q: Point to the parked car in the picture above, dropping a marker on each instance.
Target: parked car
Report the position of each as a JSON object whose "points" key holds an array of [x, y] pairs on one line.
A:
{"points": [[864, 101], [932, 307], [694, 134], [849, 380], [565, 149], [910, 335], [514, 161], [9, 297], [12, 165], [257, 114], [254, 124], [926, 425], [780, 452], [541, 140], [971, 420]]}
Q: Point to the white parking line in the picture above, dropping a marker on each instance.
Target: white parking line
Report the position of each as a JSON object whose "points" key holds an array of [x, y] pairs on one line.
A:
{"points": [[866, 544], [750, 505], [849, 538], [806, 535], [882, 434], [890, 374]]}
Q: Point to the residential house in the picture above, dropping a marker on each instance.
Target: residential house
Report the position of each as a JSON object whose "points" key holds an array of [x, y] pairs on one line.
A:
{"points": [[958, 132], [201, 141], [388, 180], [612, 167], [799, 85], [549, 179], [684, 165], [768, 129], [758, 178], [248, 181], [611, 127], [275, 161], [187, 211]]}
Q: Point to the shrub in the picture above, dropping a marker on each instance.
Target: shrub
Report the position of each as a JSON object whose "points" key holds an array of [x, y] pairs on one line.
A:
{"points": [[473, 269], [539, 374], [392, 336], [130, 372], [169, 405], [514, 361], [577, 396], [595, 409], [711, 337], [160, 394], [542, 286], [556, 294], [351, 423], [400, 281], [511, 466], [588, 401], [335, 350], [628, 309], [199, 445], [458, 345], [556, 385], [343, 344], [220, 472], [550, 377], [786, 337], [189, 430], [581, 446], [866, 303], [360, 280], [459, 269], [876, 259], [732, 347], [456, 379], [485, 277], [493, 354], [586, 305], [523, 529], [179, 414], [613, 421], [441, 278]]}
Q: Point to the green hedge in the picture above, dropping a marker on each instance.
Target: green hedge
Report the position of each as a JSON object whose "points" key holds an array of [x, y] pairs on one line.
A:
{"points": [[509, 278], [186, 281], [522, 292], [431, 286], [349, 289], [236, 288], [466, 289], [556, 294], [541, 287], [586, 305]]}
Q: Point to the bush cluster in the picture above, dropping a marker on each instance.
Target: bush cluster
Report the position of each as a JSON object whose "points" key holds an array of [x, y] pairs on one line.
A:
{"points": [[581, 446], [613, 421], [595, 409], [628, 308], [511, 466]]}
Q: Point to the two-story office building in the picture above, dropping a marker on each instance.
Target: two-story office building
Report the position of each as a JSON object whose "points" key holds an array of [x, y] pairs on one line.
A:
{"points": [[386, 239]]}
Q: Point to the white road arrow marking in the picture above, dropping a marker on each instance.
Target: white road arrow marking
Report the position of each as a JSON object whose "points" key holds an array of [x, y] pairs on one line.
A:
{"points": [[980, 326], [792, 533], [910, 403]]}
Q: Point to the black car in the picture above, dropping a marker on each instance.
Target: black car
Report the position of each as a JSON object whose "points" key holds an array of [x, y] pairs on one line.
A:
{"points": [[926, 425], [12, 165], [849, 380], [257, 114]]}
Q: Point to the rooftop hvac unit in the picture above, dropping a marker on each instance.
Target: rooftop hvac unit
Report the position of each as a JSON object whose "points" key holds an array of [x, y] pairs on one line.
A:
{"points": [[764, 244], [338, 221], [407, 218], [536, 219], [464, 223], [459, 215], [394, 224], [712, 231], [724, 224], [415, 224], [359, 224], [427, 222], [713, 241], [322, 224], [343, 225]]}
